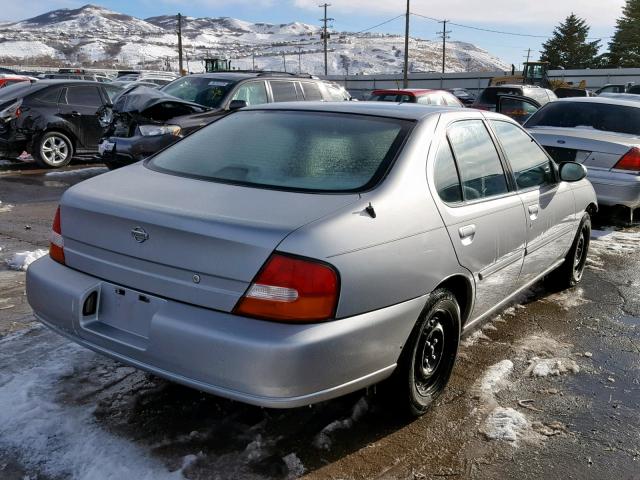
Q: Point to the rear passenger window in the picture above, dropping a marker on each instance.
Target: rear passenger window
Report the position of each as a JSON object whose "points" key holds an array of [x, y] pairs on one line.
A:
{"points": [[531, 166], [445, 175], [50, 95], [284, 91], [481, 172], [312, 92], [84, 96]]}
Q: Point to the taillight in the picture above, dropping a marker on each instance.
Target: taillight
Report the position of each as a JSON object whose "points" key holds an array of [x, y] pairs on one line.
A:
{"points": [[56, 247], [291, 289], [630, 160]]}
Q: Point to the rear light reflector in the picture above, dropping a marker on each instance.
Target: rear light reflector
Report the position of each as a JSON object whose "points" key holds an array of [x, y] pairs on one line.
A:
{"points": [[56, 247], [630, 160], [291, 289]]}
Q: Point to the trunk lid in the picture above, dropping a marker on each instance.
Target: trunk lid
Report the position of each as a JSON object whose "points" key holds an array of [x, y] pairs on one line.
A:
{"points": [[193, 241], [593, 148]]}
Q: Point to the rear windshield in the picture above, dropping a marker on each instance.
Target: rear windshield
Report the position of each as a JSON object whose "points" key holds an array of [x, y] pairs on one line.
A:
{"points": [[489, 96], [599, 116], [289, 150], [19, 90], [205, 91]]}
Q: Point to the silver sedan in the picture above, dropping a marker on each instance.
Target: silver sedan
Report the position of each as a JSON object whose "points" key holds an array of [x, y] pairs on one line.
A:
{"points": [[288, 254], [603, 134]]}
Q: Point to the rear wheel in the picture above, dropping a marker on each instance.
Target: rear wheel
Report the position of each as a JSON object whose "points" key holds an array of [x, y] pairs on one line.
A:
{"points": [[429, 355], [53, 150], [570, 273]]}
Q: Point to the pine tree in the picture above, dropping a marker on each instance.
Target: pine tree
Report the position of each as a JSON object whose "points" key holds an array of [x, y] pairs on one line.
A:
{"points": [[624, 47], [568, 47]]}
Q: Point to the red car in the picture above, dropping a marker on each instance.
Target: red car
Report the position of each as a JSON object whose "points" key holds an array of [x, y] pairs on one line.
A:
{"points": [[417, 95], [9, 79]]}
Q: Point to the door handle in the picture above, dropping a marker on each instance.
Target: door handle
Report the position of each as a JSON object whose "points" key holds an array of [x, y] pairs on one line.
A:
{"points": [[467, 233], [534, 210]]}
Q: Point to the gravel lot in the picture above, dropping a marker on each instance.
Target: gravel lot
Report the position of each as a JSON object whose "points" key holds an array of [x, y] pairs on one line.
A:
{"points": [[550, 388]]}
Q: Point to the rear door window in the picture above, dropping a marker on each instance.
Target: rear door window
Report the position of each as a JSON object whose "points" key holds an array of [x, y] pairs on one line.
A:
{"points": [[312, 91], [254, 93], [87, 96], [445, 175], [49, 95], [283, 91], [531, 166], [481, 171]]}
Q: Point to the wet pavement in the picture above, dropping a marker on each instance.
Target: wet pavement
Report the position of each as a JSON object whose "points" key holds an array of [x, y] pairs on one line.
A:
{"points": [[549, 388]]}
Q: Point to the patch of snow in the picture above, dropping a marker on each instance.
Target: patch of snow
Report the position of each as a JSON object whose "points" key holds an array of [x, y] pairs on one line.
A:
{"points": [[473, 338], [5, 208], [544, 367], [58, 439], [505, 424], [543, 347], [22, 260], [294, 465], [322, 440], [614, 242], [494, 379], [568, 299], [82, 172]]}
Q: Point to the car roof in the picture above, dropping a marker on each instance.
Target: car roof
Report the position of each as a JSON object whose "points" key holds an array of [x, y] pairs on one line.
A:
{"points": [[605, 100], [403, 111], [237, 76], [405, 91]]}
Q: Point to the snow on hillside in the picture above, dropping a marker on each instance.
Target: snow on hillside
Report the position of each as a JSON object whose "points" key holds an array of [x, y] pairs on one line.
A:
{"points": [[95, 36]]}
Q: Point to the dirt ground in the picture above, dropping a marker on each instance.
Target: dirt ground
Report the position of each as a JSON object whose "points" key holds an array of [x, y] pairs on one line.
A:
{"points": [[549, 388]]}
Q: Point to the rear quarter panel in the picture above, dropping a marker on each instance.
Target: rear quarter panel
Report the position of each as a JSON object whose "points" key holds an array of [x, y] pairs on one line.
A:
{"points": [[403, 253]]}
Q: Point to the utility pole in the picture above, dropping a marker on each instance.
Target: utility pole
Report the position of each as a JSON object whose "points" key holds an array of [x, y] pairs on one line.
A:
{"points": [[180, 44], [445, 35], [284, 61], [405, 75], [325, 35], [253, 60], [300, 59]]}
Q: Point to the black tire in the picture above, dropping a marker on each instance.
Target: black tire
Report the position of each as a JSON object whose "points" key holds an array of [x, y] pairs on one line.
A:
{"points": [[570, 273], [428, 357], [53, 150]]}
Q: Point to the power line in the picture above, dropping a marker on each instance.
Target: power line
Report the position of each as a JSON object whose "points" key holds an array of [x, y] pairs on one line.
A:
{"points": [[501, 32], [379, 25]]}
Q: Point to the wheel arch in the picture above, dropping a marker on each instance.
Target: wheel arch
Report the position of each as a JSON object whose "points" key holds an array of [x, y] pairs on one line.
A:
{"points": [[592, 209], [462, 289]]}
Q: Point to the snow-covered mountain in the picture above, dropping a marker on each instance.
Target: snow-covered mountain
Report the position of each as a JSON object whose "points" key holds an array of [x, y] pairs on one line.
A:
{"points": [[95, 36]]}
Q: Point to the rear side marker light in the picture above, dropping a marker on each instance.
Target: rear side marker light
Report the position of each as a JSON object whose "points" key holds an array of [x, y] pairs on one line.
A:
{"points": [[56, 247], [629, 161], [292, 289]]}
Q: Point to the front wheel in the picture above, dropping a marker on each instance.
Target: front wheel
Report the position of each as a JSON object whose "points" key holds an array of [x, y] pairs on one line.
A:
{"points": [[427, 361], [53, 150], [570, 273]]}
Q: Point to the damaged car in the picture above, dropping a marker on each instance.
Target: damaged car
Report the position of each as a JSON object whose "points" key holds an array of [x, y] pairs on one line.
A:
{"points": [[53, 120], [144, 121]]}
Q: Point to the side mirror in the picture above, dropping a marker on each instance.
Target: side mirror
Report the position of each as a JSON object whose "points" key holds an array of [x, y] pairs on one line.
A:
{"points": [[237, 104], [572, 172]]}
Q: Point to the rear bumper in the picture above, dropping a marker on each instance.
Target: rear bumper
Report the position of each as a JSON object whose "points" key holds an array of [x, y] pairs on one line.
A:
{"points": [[613, 188], [128, 150], [261, 363]]}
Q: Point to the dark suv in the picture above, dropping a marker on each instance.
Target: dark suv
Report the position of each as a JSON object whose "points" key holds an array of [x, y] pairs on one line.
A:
{"points": [[488, 99], [143, 121], [52, 119]]}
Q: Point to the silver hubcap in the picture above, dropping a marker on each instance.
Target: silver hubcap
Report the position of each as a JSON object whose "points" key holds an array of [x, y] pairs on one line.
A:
{"points": [[54, 150]]}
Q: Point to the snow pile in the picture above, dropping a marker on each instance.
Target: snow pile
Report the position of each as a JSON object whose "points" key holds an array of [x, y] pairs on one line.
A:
{"points": [[83, 172], [494, 379], [614, 242], [22, 260], [56, 438], [294, 465], [544, 367], [568, 299], [323, 441], [505, 424], [473, 338], [5, 207]]}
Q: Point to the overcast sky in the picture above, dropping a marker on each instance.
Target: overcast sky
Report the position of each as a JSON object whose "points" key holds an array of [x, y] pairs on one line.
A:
{"points": [[535, 17]]}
